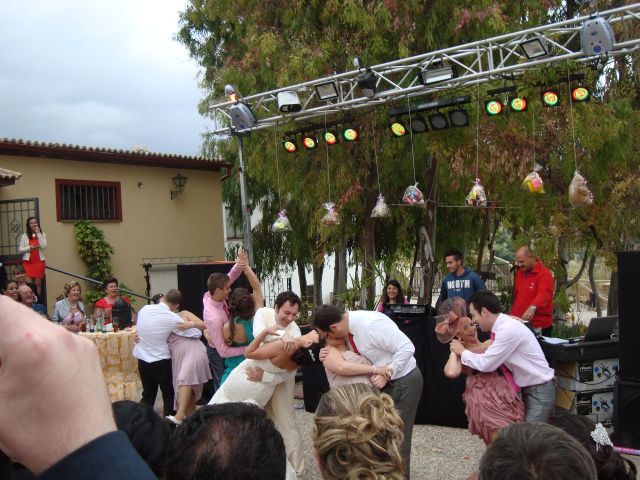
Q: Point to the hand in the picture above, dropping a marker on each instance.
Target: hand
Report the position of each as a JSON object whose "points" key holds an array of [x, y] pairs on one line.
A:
{"points": [[34, 247], [136, 339], [456, 346], [289, 343], [36, 230], [323, 353], [242, 259], [72, 328], [45, 369], [272, 329], [379, 381], [186, 325], [254, 374], [386, 370], [529, 313]]}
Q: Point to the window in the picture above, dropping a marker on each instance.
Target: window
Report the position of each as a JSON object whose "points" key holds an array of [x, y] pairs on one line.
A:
{"points": [[234, 232], [88, 200]]}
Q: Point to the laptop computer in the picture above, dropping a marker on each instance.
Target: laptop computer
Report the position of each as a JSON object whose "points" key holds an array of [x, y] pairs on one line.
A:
{"points": [[599, 328]]}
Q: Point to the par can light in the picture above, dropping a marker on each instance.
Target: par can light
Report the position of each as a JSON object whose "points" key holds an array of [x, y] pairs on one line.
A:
{"points": [[331, 138], [290, 146], [580, 94], [397, 128], [350, 134], [518, 104], [309, 141], [550, 98], [493, 107]]}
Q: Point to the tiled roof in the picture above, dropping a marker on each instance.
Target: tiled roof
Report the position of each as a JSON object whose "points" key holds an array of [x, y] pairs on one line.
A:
{"points": [[9, 175], [140, 156]]}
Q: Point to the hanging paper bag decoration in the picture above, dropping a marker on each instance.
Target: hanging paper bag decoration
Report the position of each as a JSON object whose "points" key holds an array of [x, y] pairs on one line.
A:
{"points": [[533, 182], [413, 195], [381, 209], [477, 197], [331, 217], [579, 194], [281, 224]]}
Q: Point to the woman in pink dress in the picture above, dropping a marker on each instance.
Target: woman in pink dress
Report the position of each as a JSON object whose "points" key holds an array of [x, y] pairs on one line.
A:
{"points": [[344, 366], [32, 245], [492, 399]]}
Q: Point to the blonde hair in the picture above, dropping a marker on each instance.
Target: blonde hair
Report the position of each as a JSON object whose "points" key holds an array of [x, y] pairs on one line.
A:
{"points": [[69, 285], [357, 435]]}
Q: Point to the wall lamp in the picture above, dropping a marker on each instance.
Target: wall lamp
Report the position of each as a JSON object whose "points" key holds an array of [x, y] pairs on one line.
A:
{"points": [[179, 181]]}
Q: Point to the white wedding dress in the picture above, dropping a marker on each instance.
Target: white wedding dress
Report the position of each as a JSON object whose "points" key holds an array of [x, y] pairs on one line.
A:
{"points": [[237, 388]]}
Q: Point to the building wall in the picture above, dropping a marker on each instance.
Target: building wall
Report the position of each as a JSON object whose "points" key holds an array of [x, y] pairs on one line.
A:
{"points": [[152, 224]]}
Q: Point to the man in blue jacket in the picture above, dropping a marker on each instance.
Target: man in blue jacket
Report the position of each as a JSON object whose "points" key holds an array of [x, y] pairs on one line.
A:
{"points": [[461, 281]]}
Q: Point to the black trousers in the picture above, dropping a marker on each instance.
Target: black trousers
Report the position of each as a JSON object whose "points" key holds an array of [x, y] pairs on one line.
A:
{"points": [[154, 375]]}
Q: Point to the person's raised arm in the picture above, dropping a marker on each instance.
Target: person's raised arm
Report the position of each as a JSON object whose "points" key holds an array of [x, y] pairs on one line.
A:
{"points": [[335, 363], [267, 351], [258, 297], [42, 240], [195, 321]]}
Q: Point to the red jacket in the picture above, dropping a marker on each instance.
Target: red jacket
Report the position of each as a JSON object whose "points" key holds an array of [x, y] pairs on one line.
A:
{"points": [[534, 288]]}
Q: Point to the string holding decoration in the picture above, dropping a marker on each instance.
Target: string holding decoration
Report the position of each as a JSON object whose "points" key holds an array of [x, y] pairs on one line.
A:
{"points": [[533, 182], [282, 223], [381, 209], [413, 195], [477, 196], [331, 217], [579, 194]]}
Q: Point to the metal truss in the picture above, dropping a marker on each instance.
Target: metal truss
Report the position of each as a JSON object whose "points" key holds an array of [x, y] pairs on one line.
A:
{"points": [[476, 63]]}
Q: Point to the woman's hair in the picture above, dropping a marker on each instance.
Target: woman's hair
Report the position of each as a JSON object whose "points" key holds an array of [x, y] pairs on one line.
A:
{"points": [[241, 305], [19, 268], [107, 281], [357, 434], [28, 228], [305, 356], [385, 297], [69, 285], [5, 285], [609, 463]]}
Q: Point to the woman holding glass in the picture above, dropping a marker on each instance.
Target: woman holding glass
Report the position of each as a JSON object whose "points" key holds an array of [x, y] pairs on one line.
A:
{"points": [[32, 245]]}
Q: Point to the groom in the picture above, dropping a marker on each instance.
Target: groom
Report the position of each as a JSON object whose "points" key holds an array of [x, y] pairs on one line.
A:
{"points": [[280, 407]]}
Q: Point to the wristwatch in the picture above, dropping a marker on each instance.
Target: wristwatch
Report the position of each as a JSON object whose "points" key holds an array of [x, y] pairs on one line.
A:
{"points": [[533, 306]]}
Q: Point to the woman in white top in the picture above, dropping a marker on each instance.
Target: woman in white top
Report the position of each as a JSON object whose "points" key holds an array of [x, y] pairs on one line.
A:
{"points": [[32, 245]]}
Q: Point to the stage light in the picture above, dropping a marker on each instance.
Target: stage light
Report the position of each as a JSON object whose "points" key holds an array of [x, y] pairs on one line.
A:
{"points": [[309, 141], [288, 102], [242, 118], [367, 83], [330, 137], [438, 121], [596, 36], [398, 128], [458, 117], [550, 97], [493, 107], [327, 91], [437, 72], [534, 48], [518, 104], [290, 145], [580, 94], [418, 124], [350, 134]]}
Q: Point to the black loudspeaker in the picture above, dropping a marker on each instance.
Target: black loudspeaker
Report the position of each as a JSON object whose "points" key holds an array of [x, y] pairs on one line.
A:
{"points": [[192, 282], [628, 316], [626, 413]]}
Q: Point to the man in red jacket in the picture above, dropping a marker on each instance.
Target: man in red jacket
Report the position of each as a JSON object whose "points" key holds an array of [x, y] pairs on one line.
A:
{"points": [[533, 291]]}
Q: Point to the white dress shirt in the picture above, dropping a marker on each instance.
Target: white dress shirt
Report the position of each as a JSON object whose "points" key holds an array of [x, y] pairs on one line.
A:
{"points": [[516, 347], [155, 324], [379, 339]]}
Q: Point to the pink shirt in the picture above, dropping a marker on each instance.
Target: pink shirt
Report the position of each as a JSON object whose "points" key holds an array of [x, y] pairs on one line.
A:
{"points": [[516, 347], [215, 316]]}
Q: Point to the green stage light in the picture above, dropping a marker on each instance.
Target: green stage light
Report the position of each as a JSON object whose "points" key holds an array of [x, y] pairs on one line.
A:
{"points": [[580, 94], [290, 146], [398, 128], [493, 107], [550, 98], [350, 134], [330, 137], [518, 104], [309, 141]]}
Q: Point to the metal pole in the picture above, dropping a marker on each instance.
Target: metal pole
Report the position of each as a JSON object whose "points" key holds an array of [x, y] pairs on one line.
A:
{"points": [[246, 209]]}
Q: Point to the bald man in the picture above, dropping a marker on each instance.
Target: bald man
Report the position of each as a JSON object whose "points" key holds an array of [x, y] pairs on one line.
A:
{"points": [[533, 291], [28, 299]]}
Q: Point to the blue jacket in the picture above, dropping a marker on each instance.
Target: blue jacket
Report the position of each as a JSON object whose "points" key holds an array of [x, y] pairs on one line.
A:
{"points": [[463, 286]]}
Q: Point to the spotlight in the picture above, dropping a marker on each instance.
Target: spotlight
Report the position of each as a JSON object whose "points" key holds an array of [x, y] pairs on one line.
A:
{"points": [[242, 117], [367, 83], [534, 48], [493, 107], [418, 124], [438, 121], [550, 97], [437, 72], [309, 141], [330, 137], [458, 117], [290, 145], [518, 104], [596, 36], [350, 134], [580, 94], [288, 102], [398, 128], [327, 91]]}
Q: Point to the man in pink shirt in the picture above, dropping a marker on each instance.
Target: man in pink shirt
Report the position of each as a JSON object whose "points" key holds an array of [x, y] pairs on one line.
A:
{"points": [[216, 313]]}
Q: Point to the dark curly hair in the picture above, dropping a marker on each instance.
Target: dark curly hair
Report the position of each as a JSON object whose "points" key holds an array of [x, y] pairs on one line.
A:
{"points": [[304, 356], [241, 305]]}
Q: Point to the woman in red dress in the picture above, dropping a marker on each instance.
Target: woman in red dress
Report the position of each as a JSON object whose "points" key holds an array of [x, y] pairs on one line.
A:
{"points": [[32, 245]]}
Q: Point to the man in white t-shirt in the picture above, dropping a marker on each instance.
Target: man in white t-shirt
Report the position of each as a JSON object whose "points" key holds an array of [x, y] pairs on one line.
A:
{"points": [[155, 324]]}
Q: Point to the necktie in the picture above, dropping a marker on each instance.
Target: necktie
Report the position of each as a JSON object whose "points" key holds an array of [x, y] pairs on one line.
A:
{"points": [[353, 344]]}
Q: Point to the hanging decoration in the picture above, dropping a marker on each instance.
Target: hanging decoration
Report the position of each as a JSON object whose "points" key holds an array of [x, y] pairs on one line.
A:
{"points": [[533, 182], [579, 194], [477, 197], [281, 224], [413, 195], [331, 217], [381, 209]]}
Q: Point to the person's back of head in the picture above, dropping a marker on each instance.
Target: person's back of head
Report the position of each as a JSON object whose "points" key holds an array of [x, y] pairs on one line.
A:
{"points": [[357, 434], [226, 441], [326, 315], [535, 451], [610, 465], [147, 432]]}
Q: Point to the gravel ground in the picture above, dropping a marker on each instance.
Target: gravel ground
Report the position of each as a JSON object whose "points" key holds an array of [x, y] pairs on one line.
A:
{"points": [[438, 453]]}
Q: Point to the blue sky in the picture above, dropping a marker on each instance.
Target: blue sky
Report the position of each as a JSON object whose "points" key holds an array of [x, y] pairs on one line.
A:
{"points": [[98, 73]]}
